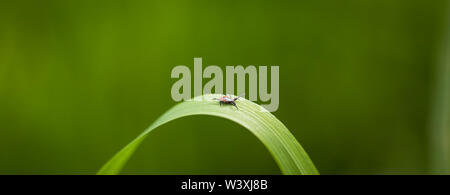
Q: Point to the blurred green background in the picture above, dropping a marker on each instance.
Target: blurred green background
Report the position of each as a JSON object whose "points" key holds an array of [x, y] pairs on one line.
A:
{"points": [[79, 79]]}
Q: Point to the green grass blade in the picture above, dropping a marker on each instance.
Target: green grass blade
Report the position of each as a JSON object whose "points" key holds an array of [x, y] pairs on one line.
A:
{"points": [[440, 110], [287, 152]]}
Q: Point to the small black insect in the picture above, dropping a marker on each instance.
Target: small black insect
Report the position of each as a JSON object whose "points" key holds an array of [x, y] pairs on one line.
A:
{"points": [[227, 100]]}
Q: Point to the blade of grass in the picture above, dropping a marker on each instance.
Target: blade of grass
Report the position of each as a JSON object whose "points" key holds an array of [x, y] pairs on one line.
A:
{"points": [[287, 152], [440, 113]]}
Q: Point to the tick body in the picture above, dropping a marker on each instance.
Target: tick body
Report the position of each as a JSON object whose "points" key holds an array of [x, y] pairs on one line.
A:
{"points": [[227, 100]]}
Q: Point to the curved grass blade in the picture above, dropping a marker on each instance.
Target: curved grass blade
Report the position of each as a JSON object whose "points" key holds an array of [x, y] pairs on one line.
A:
{"points": [[287, 152]]}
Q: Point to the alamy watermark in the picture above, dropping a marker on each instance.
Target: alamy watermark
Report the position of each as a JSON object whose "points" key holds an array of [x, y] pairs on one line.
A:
{"points": [[257, 85]]}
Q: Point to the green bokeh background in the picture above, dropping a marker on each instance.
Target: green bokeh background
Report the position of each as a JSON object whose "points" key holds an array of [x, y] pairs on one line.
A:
{"points": [[79, 79]]}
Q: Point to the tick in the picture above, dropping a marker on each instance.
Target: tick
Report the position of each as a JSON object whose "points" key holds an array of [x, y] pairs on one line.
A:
{"points": [[227, 100]]}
